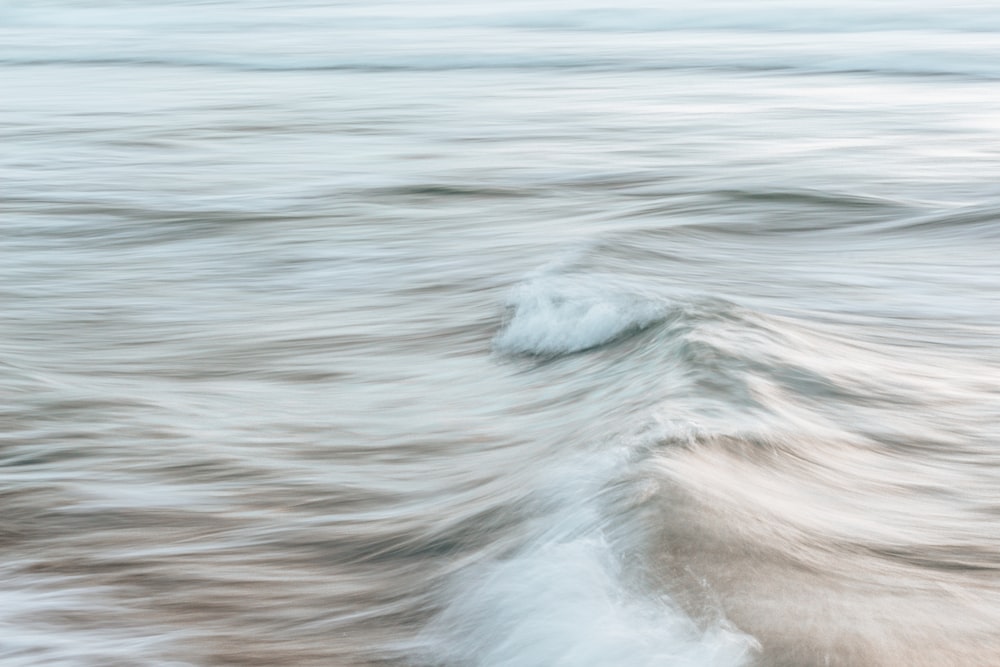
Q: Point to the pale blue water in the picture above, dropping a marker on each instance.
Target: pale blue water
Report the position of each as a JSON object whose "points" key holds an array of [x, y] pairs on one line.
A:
{"points": [[500, 334]]}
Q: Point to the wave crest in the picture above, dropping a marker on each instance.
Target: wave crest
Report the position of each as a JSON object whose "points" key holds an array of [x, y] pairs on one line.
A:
{"points": [[562, 316]]}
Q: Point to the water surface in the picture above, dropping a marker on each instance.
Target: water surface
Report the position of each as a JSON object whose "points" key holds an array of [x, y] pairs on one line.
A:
{"points": [[500, 334]]}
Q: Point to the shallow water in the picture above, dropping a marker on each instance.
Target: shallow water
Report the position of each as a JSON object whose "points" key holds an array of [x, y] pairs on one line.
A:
{"points": [[507, 334]]}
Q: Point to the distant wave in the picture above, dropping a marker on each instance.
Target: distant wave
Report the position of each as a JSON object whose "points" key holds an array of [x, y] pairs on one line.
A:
{"points": [[969, 222], [765, 16], [822, 16], [908, 65]]}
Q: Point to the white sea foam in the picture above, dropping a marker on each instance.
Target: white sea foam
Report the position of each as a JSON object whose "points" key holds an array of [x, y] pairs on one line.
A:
{"points": [[562, 604], [551, 316], [564, 600]]}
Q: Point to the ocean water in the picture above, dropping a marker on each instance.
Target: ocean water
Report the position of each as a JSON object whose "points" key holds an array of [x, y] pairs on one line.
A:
{"points": [[501, 334]]}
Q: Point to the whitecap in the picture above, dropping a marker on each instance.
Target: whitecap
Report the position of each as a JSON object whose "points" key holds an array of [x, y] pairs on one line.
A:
{"points": [[553, 316], [564, 598]]}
